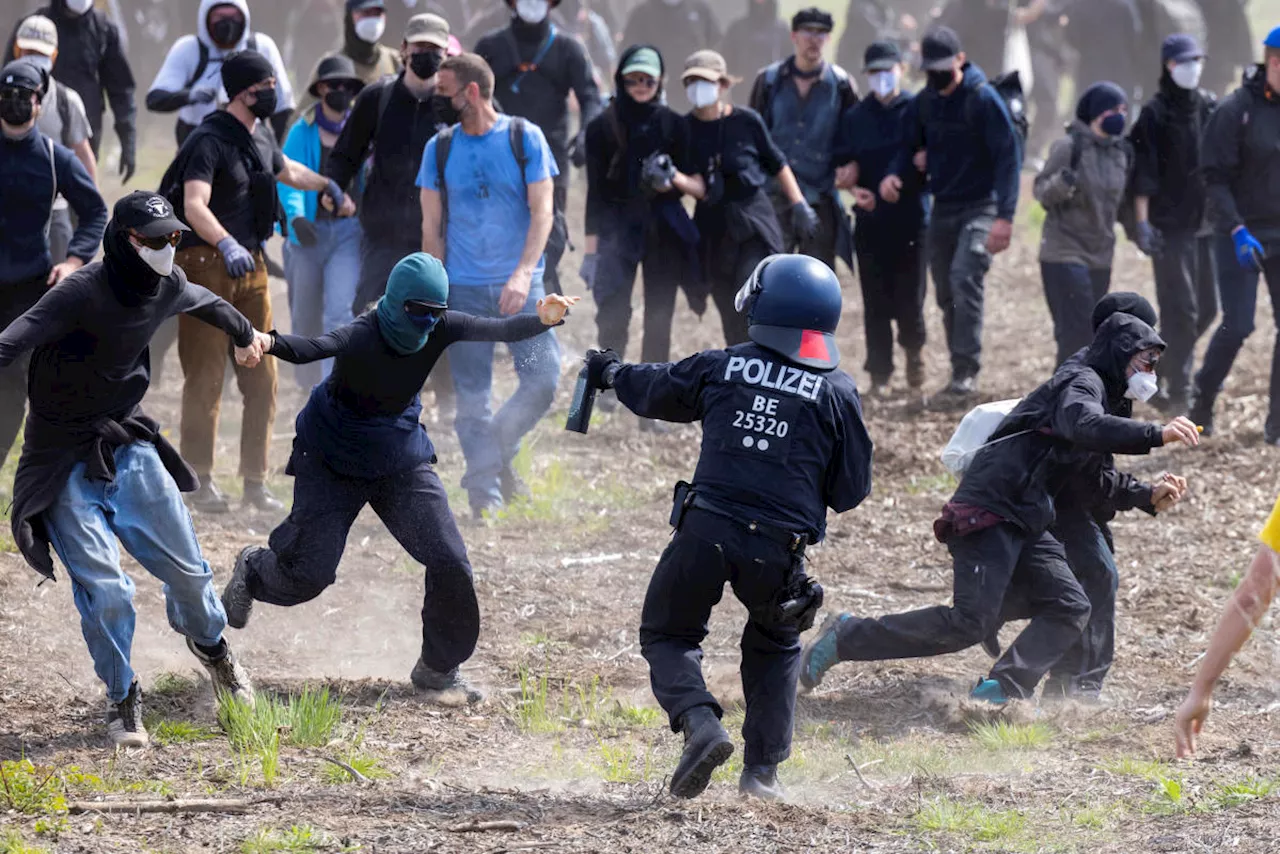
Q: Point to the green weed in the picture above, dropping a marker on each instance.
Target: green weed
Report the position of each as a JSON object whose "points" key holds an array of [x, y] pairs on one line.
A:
{"points": [[616, 762], [313, 716], [1093, 817], [1170, 796], [1003, 735], [167, 732], [31, 789], [13, 843], [367, 765], [980, 823], [1231, 795], [171, 685], [534, 711], [298, 838], [1128, 766]]}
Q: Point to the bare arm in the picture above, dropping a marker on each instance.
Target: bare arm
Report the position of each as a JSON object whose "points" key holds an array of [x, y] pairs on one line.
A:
{"points": [[1141, 208], [301, 178], [84, 153], [196, 196], [693, 185], [790, 189], [516, 293], [432, 236]]}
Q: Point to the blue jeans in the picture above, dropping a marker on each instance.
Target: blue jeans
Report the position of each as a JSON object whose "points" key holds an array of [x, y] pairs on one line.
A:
{"points": [[142, 507], [1238, 289], [490, 442], [322, 286], [1072, 290]]}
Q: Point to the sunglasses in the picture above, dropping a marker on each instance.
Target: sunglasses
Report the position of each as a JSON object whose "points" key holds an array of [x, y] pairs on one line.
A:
{"points": [[421, 310], [158, 243], [639, 82]]}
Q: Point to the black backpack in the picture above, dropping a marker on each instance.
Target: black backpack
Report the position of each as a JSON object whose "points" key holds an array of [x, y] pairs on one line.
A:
{"points": [[203, 62], [1009, 87]]}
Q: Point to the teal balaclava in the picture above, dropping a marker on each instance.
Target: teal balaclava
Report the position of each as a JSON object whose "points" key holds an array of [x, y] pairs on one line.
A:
{"points": [[418, 277]]}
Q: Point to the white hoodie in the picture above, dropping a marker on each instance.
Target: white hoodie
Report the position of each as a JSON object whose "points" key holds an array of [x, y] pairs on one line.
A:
{"points": [[184, 58]]}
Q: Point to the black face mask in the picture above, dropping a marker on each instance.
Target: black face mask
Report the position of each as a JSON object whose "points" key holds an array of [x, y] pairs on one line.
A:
{"points": [[940, 79], [443, 110], [424, 65], [227, 32], [17, 109], [338, 100], [265, 106]]}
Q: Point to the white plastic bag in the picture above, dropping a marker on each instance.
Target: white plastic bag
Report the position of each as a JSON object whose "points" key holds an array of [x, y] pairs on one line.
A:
{"points": [[973, 433]]}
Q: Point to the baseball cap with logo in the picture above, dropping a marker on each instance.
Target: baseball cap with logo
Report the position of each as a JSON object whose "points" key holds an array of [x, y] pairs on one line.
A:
{"points": [[149, 214], [427, 29], [705, 65], [37, 33]]}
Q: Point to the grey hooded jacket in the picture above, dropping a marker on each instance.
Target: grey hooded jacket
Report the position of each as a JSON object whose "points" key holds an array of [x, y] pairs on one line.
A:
{"points": [[1080, 220]]}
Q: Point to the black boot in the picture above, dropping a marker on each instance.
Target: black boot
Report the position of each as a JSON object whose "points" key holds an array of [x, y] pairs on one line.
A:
{"points": [[257, 497], [761, 781], [706, 747], [208, 498]]}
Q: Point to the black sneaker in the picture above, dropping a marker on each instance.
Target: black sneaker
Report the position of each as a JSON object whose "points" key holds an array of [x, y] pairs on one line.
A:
{"points": [[761, 781], [236, 600], [208, 498], [124, 720], [706, 748], [258, 497], [991, 643], [444, 689], [225, 672], [1202, 416]]}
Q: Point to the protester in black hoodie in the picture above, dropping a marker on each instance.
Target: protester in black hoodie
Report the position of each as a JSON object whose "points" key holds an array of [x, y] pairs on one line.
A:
{"points": [[1169, 207], [757, 39], [535, 67], [639, 165], [95, 468], [1007, 564]]}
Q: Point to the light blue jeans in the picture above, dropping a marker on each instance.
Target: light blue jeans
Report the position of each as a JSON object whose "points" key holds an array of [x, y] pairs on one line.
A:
{"points": [[142, 507], [322, 286], [490, 442]]}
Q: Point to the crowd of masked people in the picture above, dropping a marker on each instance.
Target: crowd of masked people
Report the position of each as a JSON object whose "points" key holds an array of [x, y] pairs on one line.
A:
{"points": [[421, 195]]}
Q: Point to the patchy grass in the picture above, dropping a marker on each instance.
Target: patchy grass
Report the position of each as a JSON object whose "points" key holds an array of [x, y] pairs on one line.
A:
{"points": [[619, 762], [975, 821], [1003, 735], [31, 789], [169, 732], [534, 712], [936, 484], [1128, 766], [368, 766], [13, 843], [307, 719], [171, 685], [298, 838], [1231, 795], [540, 709]]}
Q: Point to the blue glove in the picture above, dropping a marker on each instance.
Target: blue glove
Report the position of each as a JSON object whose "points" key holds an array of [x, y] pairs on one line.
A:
{"points": [[804, 220], [590, 262], [1249, 252], [335, 194], [1150, 241], [238, 260]]}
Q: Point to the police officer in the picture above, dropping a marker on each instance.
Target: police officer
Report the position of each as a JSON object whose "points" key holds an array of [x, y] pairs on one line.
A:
{"points": [[801, 100], [783, 440]]}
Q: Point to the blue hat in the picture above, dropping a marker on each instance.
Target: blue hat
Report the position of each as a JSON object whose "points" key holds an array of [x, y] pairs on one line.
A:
{"points": [[1180, 47], [1098, 99], [1273, 38], [793, 307]]}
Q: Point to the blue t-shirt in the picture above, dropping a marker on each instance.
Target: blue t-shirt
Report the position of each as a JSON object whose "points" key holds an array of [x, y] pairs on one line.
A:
{"points": [[488, 201]]}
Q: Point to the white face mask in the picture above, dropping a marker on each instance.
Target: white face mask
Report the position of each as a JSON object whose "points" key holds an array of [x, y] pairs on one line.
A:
{"points": [[371, 29], [1187, 74], [702, 93], [1142, 386], [79, 7], [532, 11], [160, 260], [884, 83]]}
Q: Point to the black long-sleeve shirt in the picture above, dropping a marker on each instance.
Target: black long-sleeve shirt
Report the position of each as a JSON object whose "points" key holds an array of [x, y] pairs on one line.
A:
{"points": [[369, 378], [1240, 163]]}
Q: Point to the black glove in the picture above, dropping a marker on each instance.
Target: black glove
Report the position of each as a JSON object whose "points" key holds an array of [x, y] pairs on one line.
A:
{"points": [[657, 172], [1149, 239], [590, 262], [128, 152], [578, 152], [599, 363], [202, 94], [305, 231], [1068, 177], [804, 220]]}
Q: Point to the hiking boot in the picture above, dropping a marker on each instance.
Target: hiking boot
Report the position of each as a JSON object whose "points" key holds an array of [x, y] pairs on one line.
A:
{"points": [[257, 497], [761, 781], [236, 600], [706, 748], [652, 425], [124, 720], [915, 370], [444, 689], [820, 653], [208, 498], [225, 672], [512, 485], [989, 691], [991, 643]]}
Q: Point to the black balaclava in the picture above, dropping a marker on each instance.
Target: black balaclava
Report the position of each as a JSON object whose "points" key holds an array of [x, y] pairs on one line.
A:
{"points": [[131, 279], [353, 46], [530, 35], [629, 112], [1115, 343]]}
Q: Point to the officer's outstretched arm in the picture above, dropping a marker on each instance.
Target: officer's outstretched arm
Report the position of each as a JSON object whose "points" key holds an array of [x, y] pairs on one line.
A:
{"points": [[667, 392]]}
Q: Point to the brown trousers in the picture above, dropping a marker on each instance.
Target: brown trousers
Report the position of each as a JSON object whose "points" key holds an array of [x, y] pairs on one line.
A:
{"points": [[204, 350]]}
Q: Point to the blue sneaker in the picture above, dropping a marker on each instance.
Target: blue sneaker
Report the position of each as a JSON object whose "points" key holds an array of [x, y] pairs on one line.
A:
{"points": [[989, 691], [820, 654]]}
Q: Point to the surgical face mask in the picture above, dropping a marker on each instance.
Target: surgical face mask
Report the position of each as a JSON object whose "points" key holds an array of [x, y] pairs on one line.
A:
{"points": [[159, 260], [17, 108], [79, 7], [371, 29], [1113, 125], [265, 106], [884, 83], [425, 64], [532, 11], [702, 93], [226, 32], [1187, 74], [1142, 386]]}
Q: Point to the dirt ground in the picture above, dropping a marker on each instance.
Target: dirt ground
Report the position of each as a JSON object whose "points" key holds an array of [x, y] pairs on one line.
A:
{"points": [[570, 747]]}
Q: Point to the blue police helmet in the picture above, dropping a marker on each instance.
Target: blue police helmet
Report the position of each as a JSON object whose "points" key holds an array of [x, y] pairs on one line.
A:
{"points": [[793, 307]]}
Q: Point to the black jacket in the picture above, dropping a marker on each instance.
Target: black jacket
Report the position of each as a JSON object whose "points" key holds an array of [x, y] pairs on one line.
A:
{"points": [[541, 94], [390, 210], [1241, 161], [1166, 149], [1059, 426], [92, 61]]}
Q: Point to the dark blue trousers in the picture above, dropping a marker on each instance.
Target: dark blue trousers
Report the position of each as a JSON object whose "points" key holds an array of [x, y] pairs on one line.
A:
{"points": [[1084, 666], [706, 552], [1072, 290], [305, 549]]}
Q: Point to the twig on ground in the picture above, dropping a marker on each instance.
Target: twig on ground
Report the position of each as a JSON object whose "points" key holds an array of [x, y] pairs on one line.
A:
{"points": [[356, 775], [621, 652], [474, 826], [858, 771], [520, 846], [191, 806]]}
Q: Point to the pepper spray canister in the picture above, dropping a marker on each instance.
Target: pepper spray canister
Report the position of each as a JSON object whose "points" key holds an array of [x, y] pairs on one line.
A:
{"points": [[584, 401]]}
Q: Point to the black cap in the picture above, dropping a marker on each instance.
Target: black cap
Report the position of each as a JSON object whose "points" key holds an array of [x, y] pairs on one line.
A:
{"points": [[243, 70], [881, 56], [336, 68], [812, 17], [149, 214], [1124, 302], [22, 74], [1180, 47], [938, 48]]}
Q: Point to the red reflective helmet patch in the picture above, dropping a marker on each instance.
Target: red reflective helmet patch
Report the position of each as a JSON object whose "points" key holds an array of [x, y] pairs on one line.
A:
{"points": [[813, 345]]}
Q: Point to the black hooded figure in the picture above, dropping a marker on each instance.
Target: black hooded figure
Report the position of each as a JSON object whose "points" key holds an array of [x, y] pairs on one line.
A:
{"points": [[1007, 564], [755, 40], [629, 220]]}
